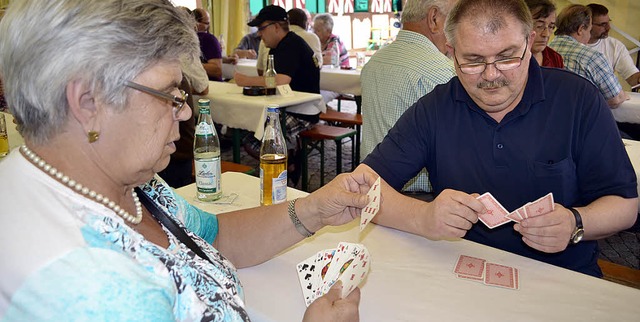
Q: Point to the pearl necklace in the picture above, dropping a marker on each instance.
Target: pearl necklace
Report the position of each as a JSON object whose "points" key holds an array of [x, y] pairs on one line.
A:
{"points": [[79, 188]]}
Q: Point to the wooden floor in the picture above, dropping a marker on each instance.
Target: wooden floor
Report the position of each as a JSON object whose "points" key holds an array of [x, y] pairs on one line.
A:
{"points": [[620, 274]]}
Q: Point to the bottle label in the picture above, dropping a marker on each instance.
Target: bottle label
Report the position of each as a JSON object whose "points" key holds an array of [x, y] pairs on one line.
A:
{"points": [[207, 175], [270, 82], [204, 129], [279, 188]]}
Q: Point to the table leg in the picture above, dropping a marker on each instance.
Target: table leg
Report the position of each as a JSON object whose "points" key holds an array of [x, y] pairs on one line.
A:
{"points": [[236, 145]]}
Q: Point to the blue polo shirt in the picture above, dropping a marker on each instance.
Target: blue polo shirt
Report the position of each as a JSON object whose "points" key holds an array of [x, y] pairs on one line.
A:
{"points": [[561, 138]]}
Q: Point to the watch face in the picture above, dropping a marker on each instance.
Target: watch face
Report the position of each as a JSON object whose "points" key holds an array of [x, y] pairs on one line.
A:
{"points": [[577, 236]]}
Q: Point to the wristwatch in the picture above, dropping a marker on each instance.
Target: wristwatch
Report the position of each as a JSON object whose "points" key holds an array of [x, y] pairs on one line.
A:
{"points": [[578, 232]]}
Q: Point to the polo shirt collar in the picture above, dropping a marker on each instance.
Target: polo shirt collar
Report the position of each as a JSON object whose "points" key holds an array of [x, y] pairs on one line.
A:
{"points": [[533, 92]]}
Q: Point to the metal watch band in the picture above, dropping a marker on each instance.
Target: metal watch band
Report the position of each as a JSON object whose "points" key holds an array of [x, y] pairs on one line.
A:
{"points": [[296, 221]]}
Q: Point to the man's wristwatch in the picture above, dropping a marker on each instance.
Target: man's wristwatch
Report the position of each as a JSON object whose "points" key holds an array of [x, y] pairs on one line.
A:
{"points": [[578, 232]]}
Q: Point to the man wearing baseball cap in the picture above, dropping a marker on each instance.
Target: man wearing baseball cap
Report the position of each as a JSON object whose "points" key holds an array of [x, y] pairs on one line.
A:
{"points": [[296, 65]]}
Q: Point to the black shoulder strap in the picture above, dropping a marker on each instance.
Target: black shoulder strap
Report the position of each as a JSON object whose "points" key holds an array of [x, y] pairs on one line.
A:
{"points": [[168, 222]]}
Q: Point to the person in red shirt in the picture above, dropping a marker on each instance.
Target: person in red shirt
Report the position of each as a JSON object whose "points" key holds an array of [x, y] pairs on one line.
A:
{"points": [[544, 22]]}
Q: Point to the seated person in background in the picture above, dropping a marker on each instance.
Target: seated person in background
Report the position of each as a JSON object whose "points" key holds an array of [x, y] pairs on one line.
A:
{"points": [[84, 185], [210, 49], [297, 66], [544, 22], [572, 33], [506, 126], [298, 22], [323, 27], [413, 76], [617, 55], [613, 49], [249, 45]]}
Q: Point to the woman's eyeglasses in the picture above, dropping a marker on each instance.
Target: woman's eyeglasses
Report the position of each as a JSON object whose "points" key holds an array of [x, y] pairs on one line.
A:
{"points": [[177, 102]]}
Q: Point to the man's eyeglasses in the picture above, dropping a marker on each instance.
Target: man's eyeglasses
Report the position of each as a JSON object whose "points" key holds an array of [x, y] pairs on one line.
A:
{"points": [[177, 102], [267, 25], [541, 27], [603, 24], [501, 64]]}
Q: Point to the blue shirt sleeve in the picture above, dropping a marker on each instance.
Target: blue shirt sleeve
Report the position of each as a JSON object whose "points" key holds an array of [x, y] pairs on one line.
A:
{"points": [[200, 222]]}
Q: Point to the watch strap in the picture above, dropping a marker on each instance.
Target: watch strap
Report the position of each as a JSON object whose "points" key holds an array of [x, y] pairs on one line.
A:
{"points": [[576, 214]]}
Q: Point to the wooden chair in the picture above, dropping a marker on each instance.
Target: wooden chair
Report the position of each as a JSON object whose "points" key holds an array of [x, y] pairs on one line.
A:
{"points": [[350, 120], [313, 139]]}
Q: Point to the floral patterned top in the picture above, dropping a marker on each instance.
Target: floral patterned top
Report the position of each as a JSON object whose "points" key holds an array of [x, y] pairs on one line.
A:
{"points": [[80, 261]]}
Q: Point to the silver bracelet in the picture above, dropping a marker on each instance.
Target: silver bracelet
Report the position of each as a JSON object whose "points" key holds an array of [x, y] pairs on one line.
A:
{"points": [[296, 221]]}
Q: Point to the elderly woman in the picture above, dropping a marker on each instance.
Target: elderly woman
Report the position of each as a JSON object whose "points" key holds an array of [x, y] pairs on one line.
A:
{"points": [[544, 22], [89, 231], [323, 28]]}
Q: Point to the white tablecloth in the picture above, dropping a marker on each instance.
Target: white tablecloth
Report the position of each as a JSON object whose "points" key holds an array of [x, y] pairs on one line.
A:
{"points": [[411, 279], [633, 150], [331, 79], [628, 111], [231, 108]]}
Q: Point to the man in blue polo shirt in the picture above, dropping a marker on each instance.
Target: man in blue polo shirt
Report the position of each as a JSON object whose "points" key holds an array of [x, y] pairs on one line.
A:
{"points": [[506, 126]]}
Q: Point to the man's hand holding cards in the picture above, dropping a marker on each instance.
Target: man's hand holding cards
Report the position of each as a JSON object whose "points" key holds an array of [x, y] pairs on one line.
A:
{"points": [[497, 215], [348, 263]]}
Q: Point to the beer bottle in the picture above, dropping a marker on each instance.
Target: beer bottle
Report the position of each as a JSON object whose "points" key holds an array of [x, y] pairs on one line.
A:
{"points": [[273, 160], [270, 77], [206, 151]]}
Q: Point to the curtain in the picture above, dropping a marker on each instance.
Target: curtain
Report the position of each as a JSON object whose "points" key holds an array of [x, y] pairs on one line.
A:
{"points": [[228, 18]]}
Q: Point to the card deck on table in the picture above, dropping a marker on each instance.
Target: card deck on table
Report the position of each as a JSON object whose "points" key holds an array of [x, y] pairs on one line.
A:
{"points": [[479, 270], [374, 205], [348, 262], [470, 266], [495, 214], [500, 275]]}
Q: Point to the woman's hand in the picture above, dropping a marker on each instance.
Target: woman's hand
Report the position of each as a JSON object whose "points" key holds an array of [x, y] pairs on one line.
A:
{"points": [[330, 307], [336, 203]]}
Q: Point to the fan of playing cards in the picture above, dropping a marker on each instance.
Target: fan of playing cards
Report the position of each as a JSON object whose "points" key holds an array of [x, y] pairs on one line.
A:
{"points": [[348, 263], [497, 215]]}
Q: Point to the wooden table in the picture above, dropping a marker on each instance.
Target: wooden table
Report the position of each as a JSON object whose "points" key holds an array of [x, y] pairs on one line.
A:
{"points": [[411, 278]]}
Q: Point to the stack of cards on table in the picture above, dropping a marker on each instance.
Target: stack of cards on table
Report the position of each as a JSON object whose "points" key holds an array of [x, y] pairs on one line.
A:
{"points": [[497, 215], [478, 269], [374, 205], [348, 263]]}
